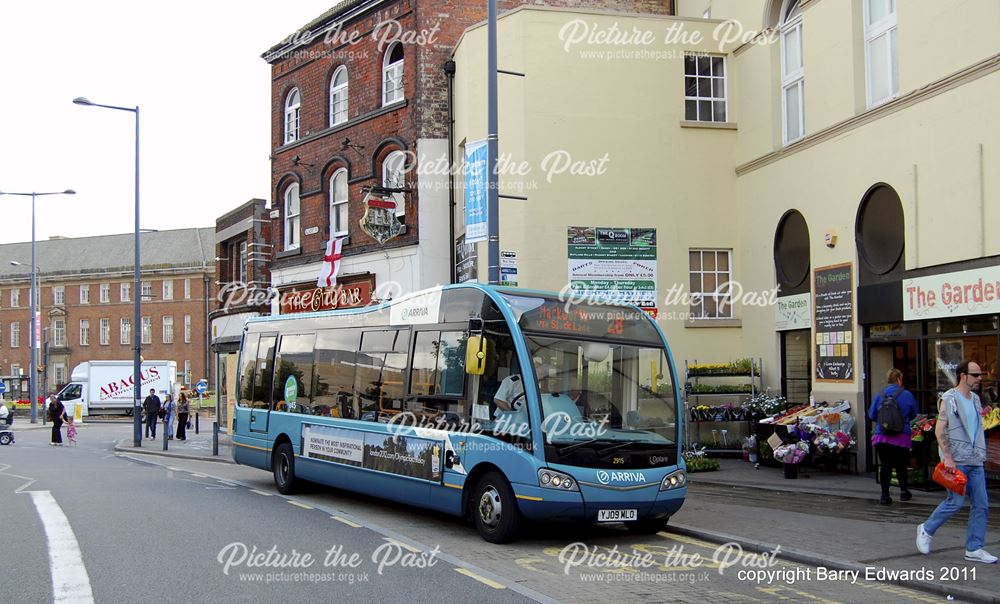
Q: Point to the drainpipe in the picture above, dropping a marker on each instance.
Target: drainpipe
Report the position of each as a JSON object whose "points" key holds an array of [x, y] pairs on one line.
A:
{"points": [[208, 330], [449, 70]]}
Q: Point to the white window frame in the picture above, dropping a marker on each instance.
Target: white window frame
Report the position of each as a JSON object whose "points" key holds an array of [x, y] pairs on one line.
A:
{"points": [[59, 333], [59, 295], [339, 222], [85, 294], [125, 331], [395, 179], [147, 290], [59, 373], [168, 329], [187, 329], [792, 76], [187, 373], [84, 332], [392, 76], [713, 84], [147, 330], [105, 293], [187, 289], [292, 236], [105, 335], [15, 369], [15, 335], [125, 292], [338, 97], [15, 297], [293, 107], [722, 296], [168, 289], [873, 32]]}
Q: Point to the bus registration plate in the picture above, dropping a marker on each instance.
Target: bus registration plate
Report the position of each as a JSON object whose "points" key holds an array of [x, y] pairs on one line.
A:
{"points": [[616, 515]]}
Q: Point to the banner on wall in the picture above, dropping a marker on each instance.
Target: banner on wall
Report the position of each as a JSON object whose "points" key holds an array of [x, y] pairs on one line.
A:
{"points": [[618, 263], [793, 312], [833, 288], [475, 191], [959, 294]]}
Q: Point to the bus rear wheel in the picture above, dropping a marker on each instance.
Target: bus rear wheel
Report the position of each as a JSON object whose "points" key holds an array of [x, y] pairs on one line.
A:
{"points": [[494, 509], [283, 466], [647, 527]]}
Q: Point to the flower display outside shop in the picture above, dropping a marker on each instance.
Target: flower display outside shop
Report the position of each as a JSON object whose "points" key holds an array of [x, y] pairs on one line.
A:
{"points": [[792, 453], [696, 460], [922, 427], [764, 405], [737, 367]]}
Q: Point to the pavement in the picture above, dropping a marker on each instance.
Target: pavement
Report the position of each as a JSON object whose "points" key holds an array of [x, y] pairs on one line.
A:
{"points": [[834, 520]]}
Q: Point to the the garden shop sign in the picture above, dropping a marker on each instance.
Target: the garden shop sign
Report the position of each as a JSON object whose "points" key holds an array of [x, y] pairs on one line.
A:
{"points": [[972, 292], [793, 312]]}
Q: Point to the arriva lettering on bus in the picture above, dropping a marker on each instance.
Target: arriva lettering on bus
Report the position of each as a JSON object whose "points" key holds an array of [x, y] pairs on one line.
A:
{"points": [[609, 477]]}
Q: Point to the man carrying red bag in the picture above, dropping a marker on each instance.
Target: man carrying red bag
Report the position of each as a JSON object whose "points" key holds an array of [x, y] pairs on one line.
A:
{"points": [[962, 444]]}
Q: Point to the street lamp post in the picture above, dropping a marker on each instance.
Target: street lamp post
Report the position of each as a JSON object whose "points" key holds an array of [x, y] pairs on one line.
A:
{"points": [[136, 287], [32, 295]]}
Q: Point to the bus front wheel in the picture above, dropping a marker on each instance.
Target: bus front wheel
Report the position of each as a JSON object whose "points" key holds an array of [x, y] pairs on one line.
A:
{"points": [[283, 466], [646, 527], [494, 509]]}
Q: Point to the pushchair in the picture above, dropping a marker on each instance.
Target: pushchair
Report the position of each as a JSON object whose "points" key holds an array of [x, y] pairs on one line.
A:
{"points": [[6, 434]]}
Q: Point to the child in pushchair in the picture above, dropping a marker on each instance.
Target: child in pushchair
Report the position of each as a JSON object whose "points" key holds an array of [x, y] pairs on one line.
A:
{"points": [[6, 434]]}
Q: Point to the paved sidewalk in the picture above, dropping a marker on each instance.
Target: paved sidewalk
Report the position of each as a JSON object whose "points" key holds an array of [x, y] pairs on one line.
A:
{"points": [[197, 446], [835, 520]]}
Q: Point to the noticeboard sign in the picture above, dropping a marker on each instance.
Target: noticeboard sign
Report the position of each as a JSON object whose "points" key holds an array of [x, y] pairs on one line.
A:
{"points": [[833, 316]]}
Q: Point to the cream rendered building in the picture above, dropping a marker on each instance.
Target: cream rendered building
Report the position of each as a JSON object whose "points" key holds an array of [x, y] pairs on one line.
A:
{"points": [[855, 134]]}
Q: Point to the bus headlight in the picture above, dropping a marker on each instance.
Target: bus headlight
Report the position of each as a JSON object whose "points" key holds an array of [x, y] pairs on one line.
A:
{"points": [[550, 479], [674, 480]]}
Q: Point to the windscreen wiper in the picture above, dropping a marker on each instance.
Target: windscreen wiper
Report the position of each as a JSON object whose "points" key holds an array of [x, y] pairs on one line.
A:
{"points": [[607, 450], [575, 446]]}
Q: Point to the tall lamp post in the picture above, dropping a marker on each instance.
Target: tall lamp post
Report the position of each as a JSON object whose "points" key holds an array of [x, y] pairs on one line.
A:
{"points": [[33, 370], [136, 287]]}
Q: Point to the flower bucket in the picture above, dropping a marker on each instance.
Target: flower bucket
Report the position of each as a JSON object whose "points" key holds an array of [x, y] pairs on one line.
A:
{"points": [[791, 470]]}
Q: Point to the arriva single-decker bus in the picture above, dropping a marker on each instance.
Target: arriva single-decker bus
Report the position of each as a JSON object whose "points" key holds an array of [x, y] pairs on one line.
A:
{"points": [[495, 404]]}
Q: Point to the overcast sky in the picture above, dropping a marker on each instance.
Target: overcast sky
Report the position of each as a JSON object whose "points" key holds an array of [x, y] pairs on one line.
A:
{"points": [[193, 68]]}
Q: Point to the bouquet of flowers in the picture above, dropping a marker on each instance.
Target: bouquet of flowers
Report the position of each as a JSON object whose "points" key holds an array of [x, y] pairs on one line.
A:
{"points": [[762, 404], [792, 453], [922, 427], [750, 449]]}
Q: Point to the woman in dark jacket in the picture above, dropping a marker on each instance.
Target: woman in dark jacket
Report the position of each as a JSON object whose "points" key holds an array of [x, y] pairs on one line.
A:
{"points": [[57, 414], [183, 412], [894, 449]]}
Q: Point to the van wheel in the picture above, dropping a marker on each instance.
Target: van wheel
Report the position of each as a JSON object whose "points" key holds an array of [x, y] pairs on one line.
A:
{"points": [[283, 466], [494, 509], [647, 527]]}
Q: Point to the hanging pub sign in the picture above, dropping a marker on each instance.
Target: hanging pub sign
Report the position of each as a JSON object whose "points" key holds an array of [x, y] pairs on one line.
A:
{"points": [[380, 220], [834, 320], [346, 294]]}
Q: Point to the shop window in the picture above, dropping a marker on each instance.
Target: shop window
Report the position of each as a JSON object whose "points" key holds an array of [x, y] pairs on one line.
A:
{"points": [[791, 254], [796, 361], [879, 231]]}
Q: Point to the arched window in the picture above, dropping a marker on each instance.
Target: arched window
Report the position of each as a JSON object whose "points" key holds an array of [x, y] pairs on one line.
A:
{"points": [[791, 254], [292, 105], [392, 74], [879, 231], [338, 96], [292, 217], [338, 203], [792, 73], [394, 177]]}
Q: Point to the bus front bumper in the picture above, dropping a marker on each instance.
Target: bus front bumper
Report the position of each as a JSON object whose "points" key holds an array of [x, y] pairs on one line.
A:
{"points": [[538, 504]]}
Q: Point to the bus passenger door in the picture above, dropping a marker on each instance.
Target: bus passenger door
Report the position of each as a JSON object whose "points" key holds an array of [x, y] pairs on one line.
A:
{"points": [[263, 379]]}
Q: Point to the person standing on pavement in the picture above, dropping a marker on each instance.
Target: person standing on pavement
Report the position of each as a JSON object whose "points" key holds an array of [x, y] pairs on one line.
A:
{"points": [[151, 407], [893, 449], [183, 411], [169, 412], [57, 415], [962, 443]]}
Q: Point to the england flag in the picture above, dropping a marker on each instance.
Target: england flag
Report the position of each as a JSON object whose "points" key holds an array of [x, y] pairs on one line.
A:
{"points": [[331, 263]]}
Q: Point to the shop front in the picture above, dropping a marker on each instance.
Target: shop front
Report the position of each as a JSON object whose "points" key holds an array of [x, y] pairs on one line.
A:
{"points": [[925, 325]]}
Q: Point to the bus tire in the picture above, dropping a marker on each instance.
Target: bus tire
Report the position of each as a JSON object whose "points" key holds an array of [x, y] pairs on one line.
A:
{"points": [[647, 527], [283, 467], [494, 509]]}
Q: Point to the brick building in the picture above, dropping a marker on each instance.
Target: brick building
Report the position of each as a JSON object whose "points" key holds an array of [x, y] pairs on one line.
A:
{"points": [[360, 99], [86, 302]]}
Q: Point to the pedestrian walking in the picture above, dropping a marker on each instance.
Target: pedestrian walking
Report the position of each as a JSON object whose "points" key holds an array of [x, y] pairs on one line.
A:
{"points": [[962, 444], [183, 412], [169, 413], [151, 409], [892, 411], [70, 430], [57, 415]]}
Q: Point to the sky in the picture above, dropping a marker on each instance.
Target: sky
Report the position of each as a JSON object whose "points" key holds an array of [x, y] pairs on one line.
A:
{"points": [[193, 68]]}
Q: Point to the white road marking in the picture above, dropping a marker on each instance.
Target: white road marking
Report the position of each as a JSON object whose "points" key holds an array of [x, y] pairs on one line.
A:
{"points": [[70, 581]]}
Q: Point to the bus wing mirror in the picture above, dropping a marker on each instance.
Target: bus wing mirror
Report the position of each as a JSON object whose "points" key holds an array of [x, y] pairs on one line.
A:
{"points": [[475, 355]]}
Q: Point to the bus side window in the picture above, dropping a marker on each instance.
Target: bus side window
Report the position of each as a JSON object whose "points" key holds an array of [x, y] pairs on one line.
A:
{"points": [[263, 375], [248, 360], [294, 368]]}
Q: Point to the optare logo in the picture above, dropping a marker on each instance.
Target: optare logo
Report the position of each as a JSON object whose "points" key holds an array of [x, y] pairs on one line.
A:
{"points": [[607, 477]]}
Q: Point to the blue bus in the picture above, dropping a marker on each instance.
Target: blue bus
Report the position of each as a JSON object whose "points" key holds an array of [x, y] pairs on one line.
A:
{"points": [[499, 405]]}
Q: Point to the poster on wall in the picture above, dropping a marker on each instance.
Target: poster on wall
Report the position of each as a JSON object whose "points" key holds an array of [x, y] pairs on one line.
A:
{"points": [[948, 355], [793, 312], [394, 454], [833, 317], [617, 263], [466, 260]]}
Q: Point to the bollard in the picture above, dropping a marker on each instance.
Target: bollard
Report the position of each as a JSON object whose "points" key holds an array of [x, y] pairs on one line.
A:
{"points": [[215, 439], [196, 413], [165, 434]]}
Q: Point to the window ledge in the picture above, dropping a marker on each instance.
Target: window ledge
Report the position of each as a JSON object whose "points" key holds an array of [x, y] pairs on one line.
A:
{"points": [[711, 125], [288, 253], [713, 323]]}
